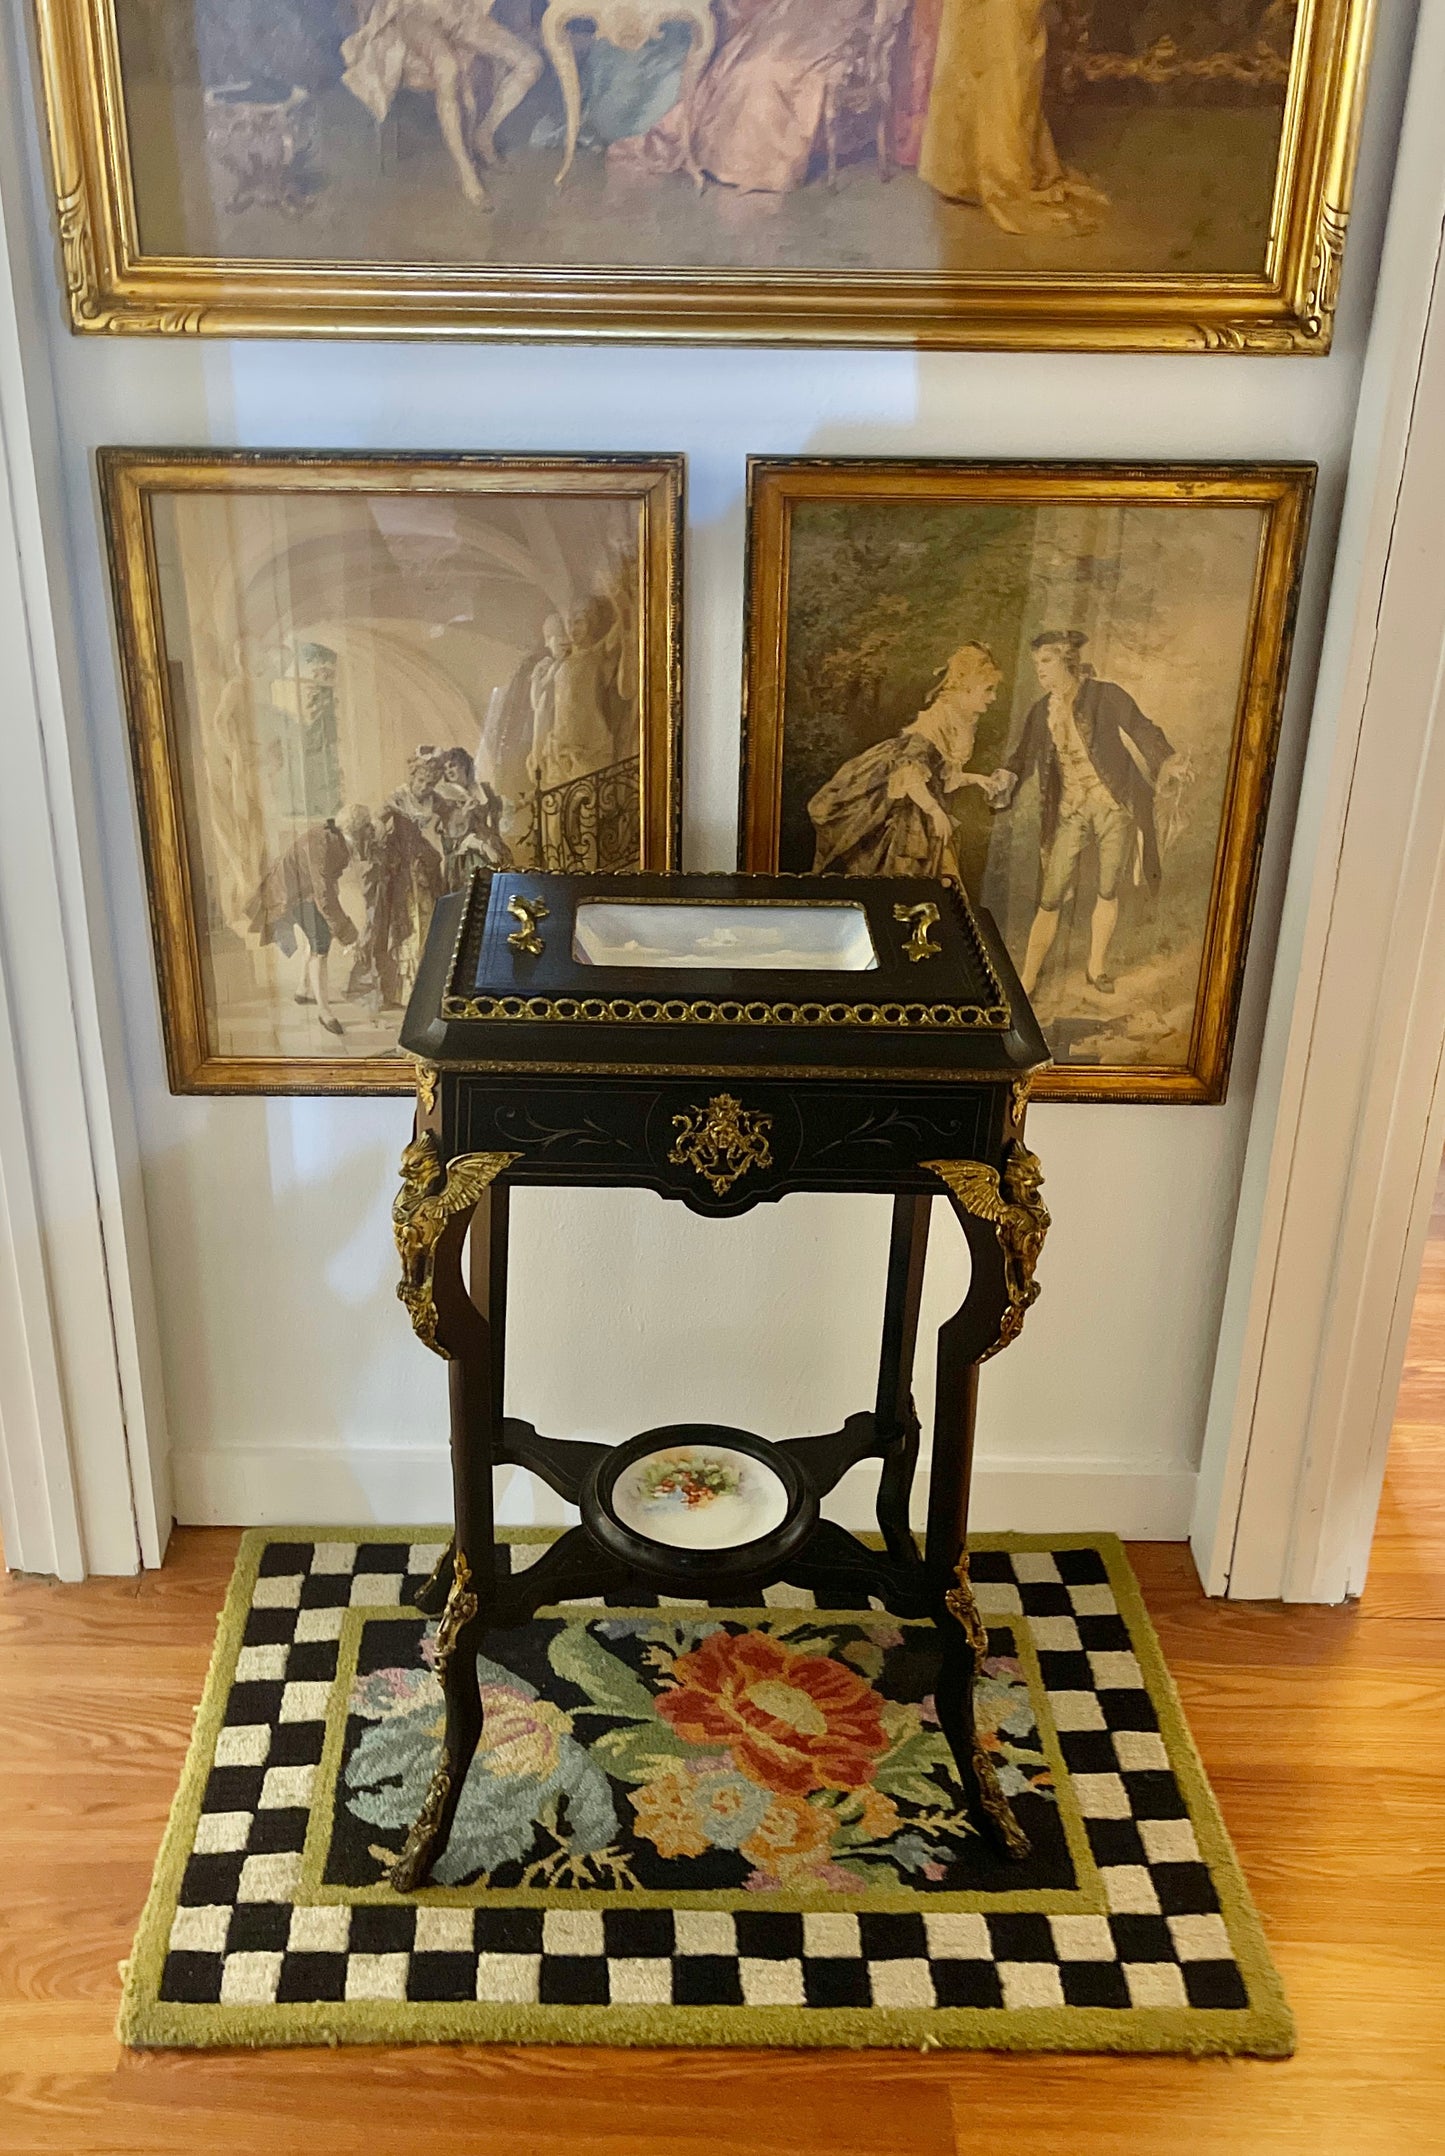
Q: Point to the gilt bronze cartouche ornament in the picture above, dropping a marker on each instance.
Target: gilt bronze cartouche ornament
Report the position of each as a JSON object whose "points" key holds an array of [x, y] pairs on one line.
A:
{"points": [[722, 1141]]}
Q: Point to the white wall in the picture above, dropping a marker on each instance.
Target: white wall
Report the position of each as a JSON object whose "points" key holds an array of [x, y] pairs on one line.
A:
{"points": [[294, 1387]]}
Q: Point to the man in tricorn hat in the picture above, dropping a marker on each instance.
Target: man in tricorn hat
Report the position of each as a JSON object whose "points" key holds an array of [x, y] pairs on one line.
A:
{"points": [[1098, 760]]}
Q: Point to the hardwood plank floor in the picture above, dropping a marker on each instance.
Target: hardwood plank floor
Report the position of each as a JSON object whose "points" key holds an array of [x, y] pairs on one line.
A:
{"points": [[1323, 1731]]}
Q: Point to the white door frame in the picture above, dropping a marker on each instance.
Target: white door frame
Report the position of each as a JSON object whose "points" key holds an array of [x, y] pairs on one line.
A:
{"points": [[1349, 1120], [83, 1454]]}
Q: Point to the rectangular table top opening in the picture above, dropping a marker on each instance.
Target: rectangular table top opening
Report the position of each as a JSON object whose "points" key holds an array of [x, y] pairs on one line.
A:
{"points": [[763, 938]]}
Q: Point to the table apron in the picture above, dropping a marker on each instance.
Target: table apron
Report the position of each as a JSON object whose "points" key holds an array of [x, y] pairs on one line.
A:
{"points": [[724, 1144]]}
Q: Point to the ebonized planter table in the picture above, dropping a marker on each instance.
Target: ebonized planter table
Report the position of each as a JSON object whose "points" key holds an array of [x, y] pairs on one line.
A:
{"points": [[858, 1035]]}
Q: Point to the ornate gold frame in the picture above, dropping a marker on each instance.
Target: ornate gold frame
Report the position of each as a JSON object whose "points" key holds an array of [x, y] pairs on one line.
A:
{"points": [[128, 480], [112, 285], [1282, 491]]}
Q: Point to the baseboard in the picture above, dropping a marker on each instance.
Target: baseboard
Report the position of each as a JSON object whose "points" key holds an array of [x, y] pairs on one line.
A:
{"points": [[405, 1485]]}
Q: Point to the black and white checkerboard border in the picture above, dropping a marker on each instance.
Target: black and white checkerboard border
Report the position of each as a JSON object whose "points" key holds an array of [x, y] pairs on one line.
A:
{"points": [[239, 1936]]}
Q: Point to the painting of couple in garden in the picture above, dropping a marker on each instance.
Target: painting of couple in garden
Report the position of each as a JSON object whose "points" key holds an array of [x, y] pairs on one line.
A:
{"points": [[1059, 685]]}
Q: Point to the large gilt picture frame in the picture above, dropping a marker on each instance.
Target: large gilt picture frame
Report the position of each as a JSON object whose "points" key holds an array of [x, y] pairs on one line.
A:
{"points": [[351, 681], [1061, 683], [1007, 174]]}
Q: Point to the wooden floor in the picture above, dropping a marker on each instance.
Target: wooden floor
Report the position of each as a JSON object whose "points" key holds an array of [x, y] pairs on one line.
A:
{"points": [[1323, 1731]]}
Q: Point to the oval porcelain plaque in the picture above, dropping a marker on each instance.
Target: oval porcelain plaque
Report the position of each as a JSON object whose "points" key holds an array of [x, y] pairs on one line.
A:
{"points": [[700, 1497]]}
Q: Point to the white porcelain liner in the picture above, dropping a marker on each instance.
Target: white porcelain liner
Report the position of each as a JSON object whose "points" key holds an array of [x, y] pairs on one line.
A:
{"points": [[783, 938]]}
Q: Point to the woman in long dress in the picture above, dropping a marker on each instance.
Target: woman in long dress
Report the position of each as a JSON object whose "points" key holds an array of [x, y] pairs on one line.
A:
{"points": [[986, 137], [884, 813], [755, 120]]}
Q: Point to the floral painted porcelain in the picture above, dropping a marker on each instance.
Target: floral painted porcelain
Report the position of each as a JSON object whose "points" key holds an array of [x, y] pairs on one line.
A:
{"points": [[700, 1497]]}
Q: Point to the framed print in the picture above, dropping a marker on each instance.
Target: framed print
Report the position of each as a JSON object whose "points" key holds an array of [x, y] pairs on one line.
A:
{"points": [[1068, 174], [1060, 682], [350, 682]]}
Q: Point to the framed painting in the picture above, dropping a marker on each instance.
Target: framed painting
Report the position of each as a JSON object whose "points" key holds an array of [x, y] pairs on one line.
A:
{"points": [[1077, 174], [350, 682], [1059, 682]]}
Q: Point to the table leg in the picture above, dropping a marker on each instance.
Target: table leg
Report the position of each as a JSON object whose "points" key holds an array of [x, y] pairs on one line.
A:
{"points": [[967, 1336], [465, 1335], [487, 1265], [487, 1279], [894, 1416], [431, 1597]]}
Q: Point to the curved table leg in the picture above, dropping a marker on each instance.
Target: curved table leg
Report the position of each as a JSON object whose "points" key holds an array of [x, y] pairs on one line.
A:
{"points": [[953, 1699], [1004, 1222], [895, 1486], [432, 1216], [458, 1638], [895, 1418]]}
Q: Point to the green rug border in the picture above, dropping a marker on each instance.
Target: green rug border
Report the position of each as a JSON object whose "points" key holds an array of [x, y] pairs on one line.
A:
{"points": [[1264, 2029]]}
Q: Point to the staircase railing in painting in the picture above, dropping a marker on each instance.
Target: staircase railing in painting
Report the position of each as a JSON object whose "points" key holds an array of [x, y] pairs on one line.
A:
{"points": [[591, 824]]}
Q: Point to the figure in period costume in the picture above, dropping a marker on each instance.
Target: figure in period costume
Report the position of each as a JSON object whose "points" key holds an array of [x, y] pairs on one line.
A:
{"points": [[625, 93], [298, 901], [401, 881], [757, 116], [467, 813], [1098, 760], [435, 45], [914, 79], [885, 812], [986, 137]]}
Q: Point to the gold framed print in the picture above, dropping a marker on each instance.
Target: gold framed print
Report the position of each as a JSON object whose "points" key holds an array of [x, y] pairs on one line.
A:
{"points": [[1059, 682], [1008, 174], [351, 681]]}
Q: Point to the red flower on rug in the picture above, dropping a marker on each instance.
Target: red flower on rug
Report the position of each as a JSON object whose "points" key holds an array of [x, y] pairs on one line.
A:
{"points": [[792, 1721]]}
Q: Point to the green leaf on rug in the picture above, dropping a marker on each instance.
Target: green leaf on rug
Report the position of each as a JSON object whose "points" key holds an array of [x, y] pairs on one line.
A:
{"points": [[638, 1753], [577, 1654]]}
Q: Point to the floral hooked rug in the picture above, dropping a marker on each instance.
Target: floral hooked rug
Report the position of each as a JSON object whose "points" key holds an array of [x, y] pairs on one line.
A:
{"points": [[694, 1824]]}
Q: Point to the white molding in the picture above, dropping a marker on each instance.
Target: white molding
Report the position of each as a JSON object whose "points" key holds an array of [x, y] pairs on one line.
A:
{"points": [[1348, 1122], [410, 1485], [81, 1413], [39, 1512]]}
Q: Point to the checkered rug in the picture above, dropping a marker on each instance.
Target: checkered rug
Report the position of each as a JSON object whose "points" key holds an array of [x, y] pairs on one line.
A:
{"points": [[695, 1824]]}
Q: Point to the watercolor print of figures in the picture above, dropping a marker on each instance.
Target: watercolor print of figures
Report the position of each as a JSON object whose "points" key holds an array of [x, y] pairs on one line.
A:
{"points": [[701, 155], [378, 678], [1059, 683], [701, 131]]}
